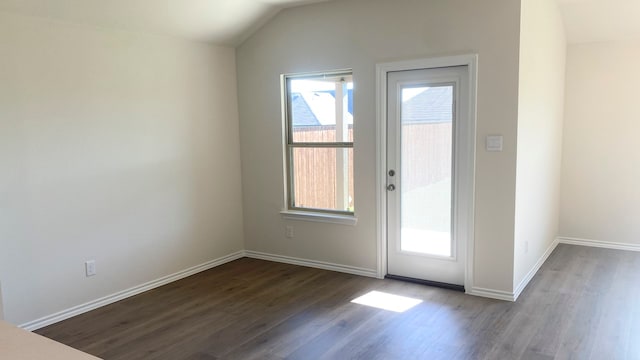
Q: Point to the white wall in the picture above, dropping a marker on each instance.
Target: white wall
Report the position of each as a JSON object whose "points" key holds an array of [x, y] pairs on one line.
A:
{"points": [[601, 163], [358, 34], [540, 117], [114, 146]]}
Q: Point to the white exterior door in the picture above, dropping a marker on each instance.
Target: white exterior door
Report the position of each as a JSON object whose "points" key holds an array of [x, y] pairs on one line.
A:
{"points": [[428, 172]]}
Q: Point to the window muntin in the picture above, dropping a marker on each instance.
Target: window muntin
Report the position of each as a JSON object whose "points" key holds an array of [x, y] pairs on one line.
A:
{"points": [[319, 142]]}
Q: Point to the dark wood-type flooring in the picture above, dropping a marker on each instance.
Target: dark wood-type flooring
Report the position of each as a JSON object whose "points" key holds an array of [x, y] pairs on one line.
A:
{"points": [[583, 304]]}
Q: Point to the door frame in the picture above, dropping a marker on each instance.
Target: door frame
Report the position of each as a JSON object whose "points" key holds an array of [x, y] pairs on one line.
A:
{"points": [[467, 189]]}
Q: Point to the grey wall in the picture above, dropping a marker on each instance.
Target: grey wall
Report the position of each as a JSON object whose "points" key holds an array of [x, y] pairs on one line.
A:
{"points": [[114, 146], [601, 162], [543, 49]]}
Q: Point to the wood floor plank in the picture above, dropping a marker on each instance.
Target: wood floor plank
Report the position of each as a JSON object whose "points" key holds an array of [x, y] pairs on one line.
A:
{"points": [[261, 319], [296, 330], [582, 304]]}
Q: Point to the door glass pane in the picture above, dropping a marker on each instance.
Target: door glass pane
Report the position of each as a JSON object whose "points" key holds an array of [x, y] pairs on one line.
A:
{"points": [[426, 163]]}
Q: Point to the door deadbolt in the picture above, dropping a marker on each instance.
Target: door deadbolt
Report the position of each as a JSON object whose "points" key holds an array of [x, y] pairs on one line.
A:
{"points": [[392, 172]]}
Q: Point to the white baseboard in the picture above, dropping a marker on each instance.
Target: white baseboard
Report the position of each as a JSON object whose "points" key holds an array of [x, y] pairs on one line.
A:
{"points": [[507, 296], [312, 263], [477, 291], [109, 299], [492, 294], [599, 244], [523, 284]]}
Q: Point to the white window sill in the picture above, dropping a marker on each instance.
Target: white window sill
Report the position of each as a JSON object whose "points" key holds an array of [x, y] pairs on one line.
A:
{"points": [[319, 217]]}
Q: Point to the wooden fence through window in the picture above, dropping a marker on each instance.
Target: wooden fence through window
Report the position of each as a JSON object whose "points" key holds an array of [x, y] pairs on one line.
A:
{"points": [[426, 160]]}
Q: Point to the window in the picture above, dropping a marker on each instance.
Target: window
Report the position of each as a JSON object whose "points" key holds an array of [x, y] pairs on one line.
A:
{"points": [[319, 142]]}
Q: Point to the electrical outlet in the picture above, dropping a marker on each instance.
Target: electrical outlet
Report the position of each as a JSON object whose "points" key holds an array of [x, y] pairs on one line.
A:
{"points": [[90, 267], [290, 232]]}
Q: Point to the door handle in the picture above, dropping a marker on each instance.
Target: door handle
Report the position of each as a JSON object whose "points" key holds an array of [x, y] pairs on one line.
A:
{"points": [[391, 187]]}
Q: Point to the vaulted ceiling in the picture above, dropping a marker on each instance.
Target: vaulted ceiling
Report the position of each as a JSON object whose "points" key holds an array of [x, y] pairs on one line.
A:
{"points": [[229, 22], [601, 20], [225, 22]]}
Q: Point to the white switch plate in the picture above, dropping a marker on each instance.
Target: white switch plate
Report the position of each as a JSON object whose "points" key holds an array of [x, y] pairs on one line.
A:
{"points": [[90, 267], [494, 142]]}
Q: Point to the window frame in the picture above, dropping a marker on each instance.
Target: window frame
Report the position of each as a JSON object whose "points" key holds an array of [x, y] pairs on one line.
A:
{"points": [[291, 211]]}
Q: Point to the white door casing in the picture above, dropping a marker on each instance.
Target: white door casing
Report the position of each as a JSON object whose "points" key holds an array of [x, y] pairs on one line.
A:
{"points": [[464, 162], [425, 167]]}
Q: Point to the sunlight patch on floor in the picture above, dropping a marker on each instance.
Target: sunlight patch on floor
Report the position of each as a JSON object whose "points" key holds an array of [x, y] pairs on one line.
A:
{"points": [[386, 301]]}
